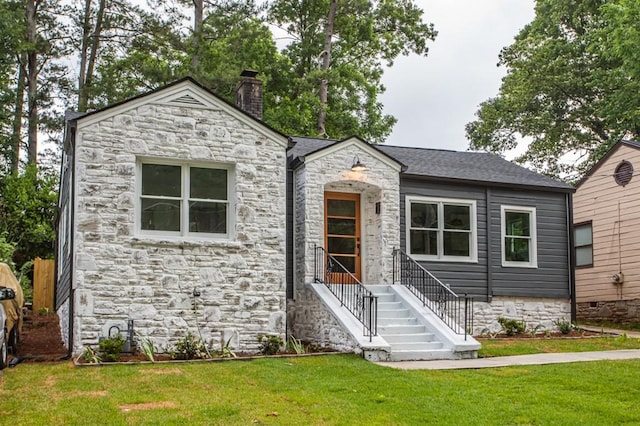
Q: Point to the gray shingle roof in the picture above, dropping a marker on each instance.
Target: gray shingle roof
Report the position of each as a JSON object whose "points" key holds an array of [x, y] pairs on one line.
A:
{"points": [[480, 167]]}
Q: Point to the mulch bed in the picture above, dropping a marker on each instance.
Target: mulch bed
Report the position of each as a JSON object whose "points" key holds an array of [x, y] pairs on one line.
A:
{"points": [[41, 340], [573, 334]]}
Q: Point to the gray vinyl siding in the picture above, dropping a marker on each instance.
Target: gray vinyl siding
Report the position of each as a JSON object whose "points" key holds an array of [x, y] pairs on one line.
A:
{"points": [[63, 282], [463, 277], [549, 279]]}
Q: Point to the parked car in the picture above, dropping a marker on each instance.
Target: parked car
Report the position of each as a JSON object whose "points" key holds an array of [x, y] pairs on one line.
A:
{"points": [[6, 295], [12, 307]]}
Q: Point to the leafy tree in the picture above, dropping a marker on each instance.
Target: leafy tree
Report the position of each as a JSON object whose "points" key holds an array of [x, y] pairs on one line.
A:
{"points": [[566, 91], [27, 211], [337, 56]]}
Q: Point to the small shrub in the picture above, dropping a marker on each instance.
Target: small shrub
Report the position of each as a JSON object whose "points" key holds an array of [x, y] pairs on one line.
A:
{"points": [[564, 326], [269, 344], [512, 327], [534, 331], [190, 347], [226, 351], [90, 356], [295, 345], [148, 348], [111, 347]]}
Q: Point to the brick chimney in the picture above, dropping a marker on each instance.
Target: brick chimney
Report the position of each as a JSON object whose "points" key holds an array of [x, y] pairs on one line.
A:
{"points": [[249, 94]]}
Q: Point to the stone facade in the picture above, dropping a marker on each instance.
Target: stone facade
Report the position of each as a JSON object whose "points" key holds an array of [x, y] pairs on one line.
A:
{"points": [[623, 311], [221, 289], [533, 311], [380, 183], [311, 321]]}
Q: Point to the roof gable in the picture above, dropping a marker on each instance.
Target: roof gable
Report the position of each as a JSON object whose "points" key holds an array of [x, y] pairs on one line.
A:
{"points": [[605, 158], [334, 146], [184, 93]]}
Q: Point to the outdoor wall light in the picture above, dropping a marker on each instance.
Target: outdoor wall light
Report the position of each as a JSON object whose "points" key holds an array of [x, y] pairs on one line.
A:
{"points": [[357, 165]]}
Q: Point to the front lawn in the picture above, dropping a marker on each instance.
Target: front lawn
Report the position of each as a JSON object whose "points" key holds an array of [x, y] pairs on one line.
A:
{"points": [[327, 390], [507, 347]]}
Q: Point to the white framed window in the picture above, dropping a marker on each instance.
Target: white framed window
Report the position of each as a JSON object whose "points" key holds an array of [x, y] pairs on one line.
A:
{"points": [[184, 199], [441, 229], [519, 243], [583, 243]]}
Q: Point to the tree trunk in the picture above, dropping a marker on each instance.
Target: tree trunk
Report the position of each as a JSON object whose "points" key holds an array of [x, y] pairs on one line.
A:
{"points": [[86, 27], [326, 63], [198, 19], [32, 82], [16, 132]]}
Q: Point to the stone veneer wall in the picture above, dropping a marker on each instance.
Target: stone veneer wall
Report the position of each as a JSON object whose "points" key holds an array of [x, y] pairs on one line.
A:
{"points": [[309, 319], [623, 311], [380, 232], [533, 311], [122, 275]]}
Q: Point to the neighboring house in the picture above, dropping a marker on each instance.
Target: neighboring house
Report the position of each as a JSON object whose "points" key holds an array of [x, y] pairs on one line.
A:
{"points": [[184, 213], [607, 237]]}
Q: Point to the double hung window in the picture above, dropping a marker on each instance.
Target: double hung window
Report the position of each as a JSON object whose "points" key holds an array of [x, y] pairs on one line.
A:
{"points": [[441, 229], [184, 199], [583, 241], [519, 236]]}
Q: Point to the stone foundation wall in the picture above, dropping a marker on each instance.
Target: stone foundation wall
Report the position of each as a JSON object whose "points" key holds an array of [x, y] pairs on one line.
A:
{"points": [[533, 311], [622, 311], [309, 320]]}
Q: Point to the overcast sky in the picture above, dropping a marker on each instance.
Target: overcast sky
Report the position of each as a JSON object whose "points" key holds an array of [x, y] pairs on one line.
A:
{"points": [[434, 97]]}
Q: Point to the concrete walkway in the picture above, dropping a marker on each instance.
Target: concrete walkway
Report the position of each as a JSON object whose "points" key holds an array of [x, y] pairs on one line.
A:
{"points": [[535, 359]]}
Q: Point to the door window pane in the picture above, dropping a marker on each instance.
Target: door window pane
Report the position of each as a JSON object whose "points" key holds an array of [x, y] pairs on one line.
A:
{"points": [[161, 180], [341, 208], [341, 245], [341, 226], [348, 262]]}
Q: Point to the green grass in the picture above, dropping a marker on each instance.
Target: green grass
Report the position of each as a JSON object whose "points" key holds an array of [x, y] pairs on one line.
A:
{"points": [[327, 390], [507, 347]]}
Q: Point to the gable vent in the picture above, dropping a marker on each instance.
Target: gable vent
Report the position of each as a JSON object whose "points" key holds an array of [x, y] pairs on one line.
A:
{"points": [[623, 173], [187, 99]]}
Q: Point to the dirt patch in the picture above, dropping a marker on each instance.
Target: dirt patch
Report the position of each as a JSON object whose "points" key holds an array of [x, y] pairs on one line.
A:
{"points": [[147, 406], [41, 339]]}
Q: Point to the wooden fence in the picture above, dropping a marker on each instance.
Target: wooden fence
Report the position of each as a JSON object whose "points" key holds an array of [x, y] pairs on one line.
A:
{"points": [[43, 279]]}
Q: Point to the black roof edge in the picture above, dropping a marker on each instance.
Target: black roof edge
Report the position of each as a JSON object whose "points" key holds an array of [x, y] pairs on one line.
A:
{"points": [[403, 167], [614, 147], [175, 83], [484, 183]]}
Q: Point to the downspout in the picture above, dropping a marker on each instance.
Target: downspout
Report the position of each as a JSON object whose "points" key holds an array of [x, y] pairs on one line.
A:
{"points": [[572, 260], [489, 253]]}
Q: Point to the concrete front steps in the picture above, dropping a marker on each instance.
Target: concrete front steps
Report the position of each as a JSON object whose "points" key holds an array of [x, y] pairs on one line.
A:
{"points": [[412, 332]]}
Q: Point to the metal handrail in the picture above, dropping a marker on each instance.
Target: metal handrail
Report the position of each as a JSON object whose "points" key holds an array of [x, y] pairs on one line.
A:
{"points": [[454, 310], [348, 289]]}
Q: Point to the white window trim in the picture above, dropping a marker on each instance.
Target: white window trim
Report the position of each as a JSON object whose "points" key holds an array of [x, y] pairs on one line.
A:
{"points": [[533, 261], [184, 200], [473, 248]]}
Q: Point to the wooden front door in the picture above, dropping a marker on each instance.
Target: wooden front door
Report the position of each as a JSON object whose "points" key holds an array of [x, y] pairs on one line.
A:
{"points": [[342, 229]]}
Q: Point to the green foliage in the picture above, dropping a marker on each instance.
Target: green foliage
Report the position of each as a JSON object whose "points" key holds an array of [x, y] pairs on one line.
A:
{"points": [[564, 326], [295, 345], [270, 344], [571, 88], [190, 347], [110, 348], [27, 213], [148, 348], [227, 351], [512, 327], [89, 355], [6, 251]]}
